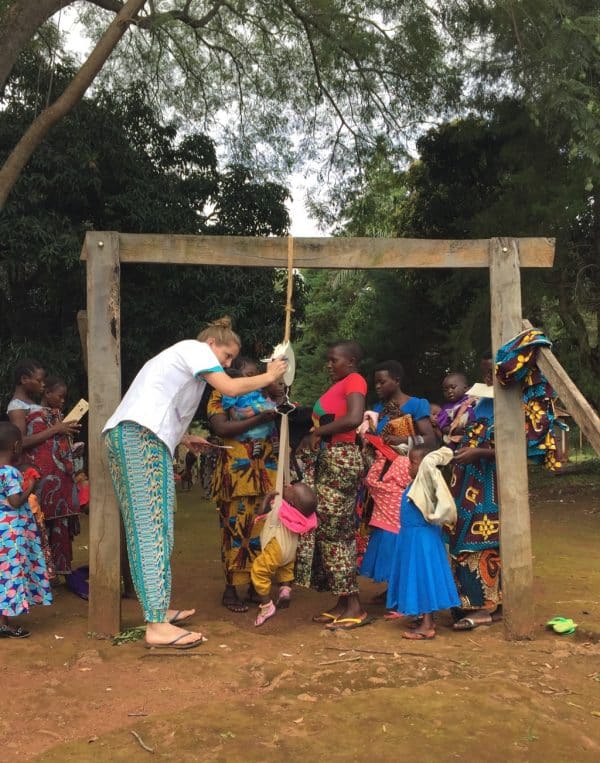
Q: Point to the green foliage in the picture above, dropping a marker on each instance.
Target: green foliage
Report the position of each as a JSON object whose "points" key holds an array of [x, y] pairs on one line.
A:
{"points": [[112, 164], [477, 178], [548, 52], [332, 72], [329, 316]]}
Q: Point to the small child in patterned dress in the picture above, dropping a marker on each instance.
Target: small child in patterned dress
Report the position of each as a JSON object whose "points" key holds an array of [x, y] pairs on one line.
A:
{"points": [[23, 574]]}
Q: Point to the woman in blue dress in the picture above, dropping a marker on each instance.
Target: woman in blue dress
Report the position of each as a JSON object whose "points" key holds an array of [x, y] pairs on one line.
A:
{"points": [[402, 420], [421, 581], [395, 403]]}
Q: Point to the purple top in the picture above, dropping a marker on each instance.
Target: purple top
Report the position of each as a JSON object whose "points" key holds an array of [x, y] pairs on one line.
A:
{"points": [[449, 410]]}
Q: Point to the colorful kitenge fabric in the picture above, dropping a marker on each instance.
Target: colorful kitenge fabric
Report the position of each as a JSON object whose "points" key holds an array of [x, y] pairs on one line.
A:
{"points": [[241, 476], [415, 407], [475, 490], [386, 482], [61, 533], [53, 459], [23, 575], [478, 579], [56, 491], [141, 469], [30, 474], [326, 557], [516, 361]]}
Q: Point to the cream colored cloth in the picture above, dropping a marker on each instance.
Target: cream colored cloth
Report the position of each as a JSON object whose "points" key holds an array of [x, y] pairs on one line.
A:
{"points": [[274, 528], [429, 491]]}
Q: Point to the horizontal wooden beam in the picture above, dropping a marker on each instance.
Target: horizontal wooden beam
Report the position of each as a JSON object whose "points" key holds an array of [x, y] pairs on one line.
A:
{"points": [[575, 403], [332, 252]]}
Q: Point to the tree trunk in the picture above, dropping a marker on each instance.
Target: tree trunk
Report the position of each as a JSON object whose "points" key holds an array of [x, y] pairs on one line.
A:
{"points": [[21, 153], [18, 24]]}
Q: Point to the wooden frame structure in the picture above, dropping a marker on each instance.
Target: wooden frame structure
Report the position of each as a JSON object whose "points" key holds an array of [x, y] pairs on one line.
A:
{"points": [[104, 252]]}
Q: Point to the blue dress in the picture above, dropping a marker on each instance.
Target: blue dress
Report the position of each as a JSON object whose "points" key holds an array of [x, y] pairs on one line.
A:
{"points": [[378, 558], [420, 580], [377, 561], [23, 575]]}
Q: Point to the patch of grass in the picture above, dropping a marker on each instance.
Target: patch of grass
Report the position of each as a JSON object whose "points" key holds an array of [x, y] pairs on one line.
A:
{"points": [[130, 635]]}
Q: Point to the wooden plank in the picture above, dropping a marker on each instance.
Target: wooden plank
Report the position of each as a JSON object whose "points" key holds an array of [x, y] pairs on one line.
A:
{"points": [[104, 368], [575, 403], [511, 454], [359, 253]]}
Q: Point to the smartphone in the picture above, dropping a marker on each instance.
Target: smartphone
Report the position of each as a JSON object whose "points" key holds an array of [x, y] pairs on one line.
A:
{"points": [[77, 412]]}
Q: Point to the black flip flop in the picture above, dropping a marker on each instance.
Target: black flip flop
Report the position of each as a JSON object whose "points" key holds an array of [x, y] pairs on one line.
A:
{"points": [[7, 632], [175, 645]]}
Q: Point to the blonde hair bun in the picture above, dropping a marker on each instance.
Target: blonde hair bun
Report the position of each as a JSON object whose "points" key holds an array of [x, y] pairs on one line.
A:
{"points": [[220, 330], [224, 322]]}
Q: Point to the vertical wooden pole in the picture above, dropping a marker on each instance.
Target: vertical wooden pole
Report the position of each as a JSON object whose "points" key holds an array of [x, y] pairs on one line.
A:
{"points": [[104, 381], [511, 454]]}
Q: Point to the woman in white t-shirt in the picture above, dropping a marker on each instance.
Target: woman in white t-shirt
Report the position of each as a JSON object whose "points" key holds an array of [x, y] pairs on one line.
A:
{"points": [[141, 437]]}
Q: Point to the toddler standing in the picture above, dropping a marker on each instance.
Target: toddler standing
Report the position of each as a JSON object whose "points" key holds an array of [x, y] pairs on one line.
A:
{"points": [[279, 542], [421, 581], [23, 575], [386, 480]]}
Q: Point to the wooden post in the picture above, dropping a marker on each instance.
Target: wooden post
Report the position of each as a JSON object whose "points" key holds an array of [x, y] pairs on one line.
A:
{"points": [[511, 454], [104, 376]]}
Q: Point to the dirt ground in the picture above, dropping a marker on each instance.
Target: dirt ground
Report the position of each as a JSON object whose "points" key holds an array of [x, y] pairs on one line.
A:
{"points": [[291, 689]]}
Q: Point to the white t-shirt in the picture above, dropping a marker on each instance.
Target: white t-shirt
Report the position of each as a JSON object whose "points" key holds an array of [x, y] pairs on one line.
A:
{"points": [[165, 394]]}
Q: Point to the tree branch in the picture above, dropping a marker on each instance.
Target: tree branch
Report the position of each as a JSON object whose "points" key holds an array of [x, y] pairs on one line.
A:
{"points": [[18, 24], [73, 93]]}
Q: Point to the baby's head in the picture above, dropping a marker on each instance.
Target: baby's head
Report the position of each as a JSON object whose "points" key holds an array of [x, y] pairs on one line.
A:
{"points": [[301, 497], [275, 390], [434, 412], [55, 392], [247, 366], [11, 442], [455, 385], [415, 456]]}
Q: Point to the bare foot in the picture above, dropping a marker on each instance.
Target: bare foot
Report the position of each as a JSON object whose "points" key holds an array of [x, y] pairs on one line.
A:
{"points": [[158, 634], [178, 616]]}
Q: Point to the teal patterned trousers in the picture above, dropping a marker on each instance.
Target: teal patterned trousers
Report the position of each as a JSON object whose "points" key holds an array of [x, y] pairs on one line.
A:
{"points": [[141, 469]]}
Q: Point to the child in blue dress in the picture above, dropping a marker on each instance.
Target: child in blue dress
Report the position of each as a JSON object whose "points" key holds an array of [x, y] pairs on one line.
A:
{"points": [[23, 574], [421, 580]]}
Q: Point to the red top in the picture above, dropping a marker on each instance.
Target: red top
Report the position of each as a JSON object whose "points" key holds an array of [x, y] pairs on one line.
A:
{"points": [[387, 491], [334, 404]]}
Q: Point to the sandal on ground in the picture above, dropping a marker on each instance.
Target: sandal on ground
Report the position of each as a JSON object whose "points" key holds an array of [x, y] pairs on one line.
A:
{"points": [[419, 635], [349, 623], [234, 604], [265, 612], [284, 597], [7, 632], [324, 617], [176, 645], [177, 620], [393, 615], [470, 623]]}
